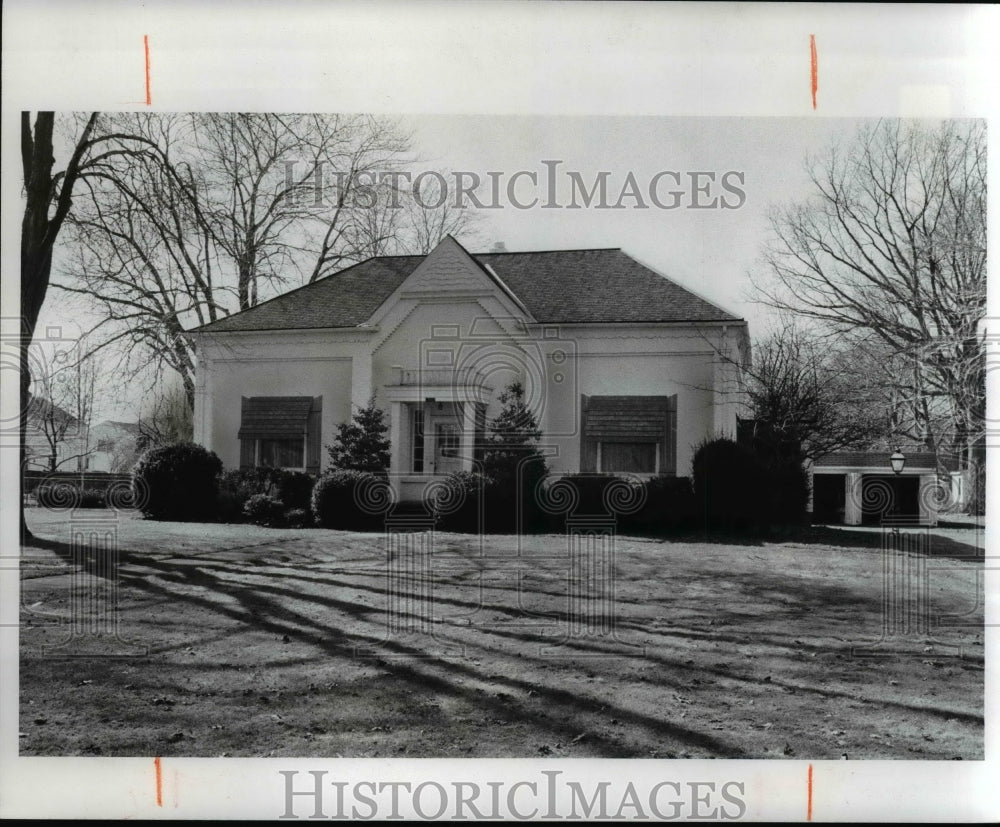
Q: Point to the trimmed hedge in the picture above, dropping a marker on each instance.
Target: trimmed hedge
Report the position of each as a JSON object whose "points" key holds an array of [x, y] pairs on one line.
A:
{"points": [[669, 505], [736, 490], [178, 482], [457, 506], [474, 502], [66, 495], [649, 506], [352, 500], [728, 485]]}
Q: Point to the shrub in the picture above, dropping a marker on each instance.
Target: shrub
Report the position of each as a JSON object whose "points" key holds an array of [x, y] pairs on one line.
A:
{"points": [[298, 518], [179, 482], [348, 499], [786, 488], [263, 509], [729, 485], [669, 505], [457, 506], [588, 493], [736, 488], [58, 495], [92, 498], [294, 488], [229, 507], [236, 487], [652, 505], [245, 482]]}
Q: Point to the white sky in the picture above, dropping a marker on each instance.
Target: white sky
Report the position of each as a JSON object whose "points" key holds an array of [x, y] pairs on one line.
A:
{"points": [[711, 251]]}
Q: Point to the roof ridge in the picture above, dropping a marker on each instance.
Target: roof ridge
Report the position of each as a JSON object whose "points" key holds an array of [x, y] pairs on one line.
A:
{"points": [[540, 252]]}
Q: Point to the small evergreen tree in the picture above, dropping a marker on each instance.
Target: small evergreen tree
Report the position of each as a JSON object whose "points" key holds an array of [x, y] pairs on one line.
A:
{"points": [[513, 437], [362, 445], [513, 465]]}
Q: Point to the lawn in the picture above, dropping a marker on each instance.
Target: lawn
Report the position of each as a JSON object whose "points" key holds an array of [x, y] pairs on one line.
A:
{"points": [[245, 641]]}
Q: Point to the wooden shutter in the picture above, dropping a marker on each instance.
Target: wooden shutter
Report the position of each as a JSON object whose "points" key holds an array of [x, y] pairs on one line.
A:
{"points": [[314, 435], [247, 444], [668, 461], [588, 443]]}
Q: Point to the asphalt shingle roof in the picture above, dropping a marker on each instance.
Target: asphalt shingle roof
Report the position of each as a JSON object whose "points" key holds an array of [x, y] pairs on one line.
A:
{"points": [[561, 286]]}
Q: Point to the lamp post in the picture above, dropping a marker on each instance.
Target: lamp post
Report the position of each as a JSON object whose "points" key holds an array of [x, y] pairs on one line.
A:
{"points": [[897, 461]]}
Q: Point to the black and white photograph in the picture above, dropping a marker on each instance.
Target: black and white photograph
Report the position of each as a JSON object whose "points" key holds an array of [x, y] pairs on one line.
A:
{"points": [[465, 460]]}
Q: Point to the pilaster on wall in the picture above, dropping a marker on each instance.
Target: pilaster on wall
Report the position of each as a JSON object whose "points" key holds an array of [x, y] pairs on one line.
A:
{"points": [[203, 404], [395, 437], [468, 434], [852, 498], [928, 502]]}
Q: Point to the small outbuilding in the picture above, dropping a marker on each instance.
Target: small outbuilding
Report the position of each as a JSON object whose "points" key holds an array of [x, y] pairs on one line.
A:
{"points": [[872, 487]]}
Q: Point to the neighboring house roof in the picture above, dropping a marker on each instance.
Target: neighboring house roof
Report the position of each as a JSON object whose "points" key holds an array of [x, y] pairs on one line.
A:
{"points": [[559, 286], [39, 407], [118, 427]]}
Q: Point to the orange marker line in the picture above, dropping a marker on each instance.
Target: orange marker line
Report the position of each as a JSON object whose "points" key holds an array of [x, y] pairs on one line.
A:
{"points": [[808, 797], [159, 782], [149, 97], [814, 65]]}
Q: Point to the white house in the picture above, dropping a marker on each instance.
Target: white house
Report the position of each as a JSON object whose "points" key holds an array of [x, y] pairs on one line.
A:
{"points": [[620, 364]]}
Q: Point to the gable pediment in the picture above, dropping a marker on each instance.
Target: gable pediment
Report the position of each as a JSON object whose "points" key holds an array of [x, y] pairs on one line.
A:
{"points": [[449, 272], [448, 269]]}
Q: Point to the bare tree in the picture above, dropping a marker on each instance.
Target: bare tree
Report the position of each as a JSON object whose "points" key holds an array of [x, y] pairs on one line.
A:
{"points": [[48, 197], [292, 193], [228, 210], [891, 249], [166, 418], [433, 213], [61, 409], [805, 398]]}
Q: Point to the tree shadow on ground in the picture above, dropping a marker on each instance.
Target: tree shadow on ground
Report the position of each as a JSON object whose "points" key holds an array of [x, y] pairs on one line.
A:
{"points": [[562, 714]]}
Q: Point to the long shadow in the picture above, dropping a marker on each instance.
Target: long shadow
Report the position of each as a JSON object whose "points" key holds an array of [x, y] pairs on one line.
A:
{"points": [[265, 613], [254, 602], [878, 538]]}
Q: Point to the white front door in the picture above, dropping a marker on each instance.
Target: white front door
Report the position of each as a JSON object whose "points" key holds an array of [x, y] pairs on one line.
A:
{"points": [[447, 446]]}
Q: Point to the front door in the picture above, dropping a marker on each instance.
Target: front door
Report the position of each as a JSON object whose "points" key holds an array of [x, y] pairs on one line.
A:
{"points": [[447, 447]]}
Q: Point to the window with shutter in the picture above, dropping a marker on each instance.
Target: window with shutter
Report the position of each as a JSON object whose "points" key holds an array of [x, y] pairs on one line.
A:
{"points": [[281, 432], [635, 434]]}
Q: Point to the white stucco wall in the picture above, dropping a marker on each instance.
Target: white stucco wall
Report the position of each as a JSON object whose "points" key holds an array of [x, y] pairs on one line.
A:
{"points": [[300, 363], [646, 360], [555, 363]]}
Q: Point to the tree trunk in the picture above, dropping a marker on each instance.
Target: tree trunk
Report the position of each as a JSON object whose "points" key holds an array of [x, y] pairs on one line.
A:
{"points": [[38, 236]]}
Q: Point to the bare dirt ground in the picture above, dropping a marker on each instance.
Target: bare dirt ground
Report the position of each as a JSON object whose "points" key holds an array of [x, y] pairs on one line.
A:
{"points": [[245, 641]]}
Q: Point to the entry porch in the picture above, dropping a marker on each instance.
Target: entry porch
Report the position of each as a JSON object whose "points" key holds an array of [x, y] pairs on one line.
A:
{"points": [[437, 422]]}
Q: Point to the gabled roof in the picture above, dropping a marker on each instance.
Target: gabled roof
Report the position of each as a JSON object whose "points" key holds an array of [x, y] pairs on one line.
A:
{"points": [[41, 408], [558, 286]]}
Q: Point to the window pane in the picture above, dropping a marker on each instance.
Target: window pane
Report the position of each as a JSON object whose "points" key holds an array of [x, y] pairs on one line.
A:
{"points": [[639, 457], [281, 453], [418, 440], [447, 440]]}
